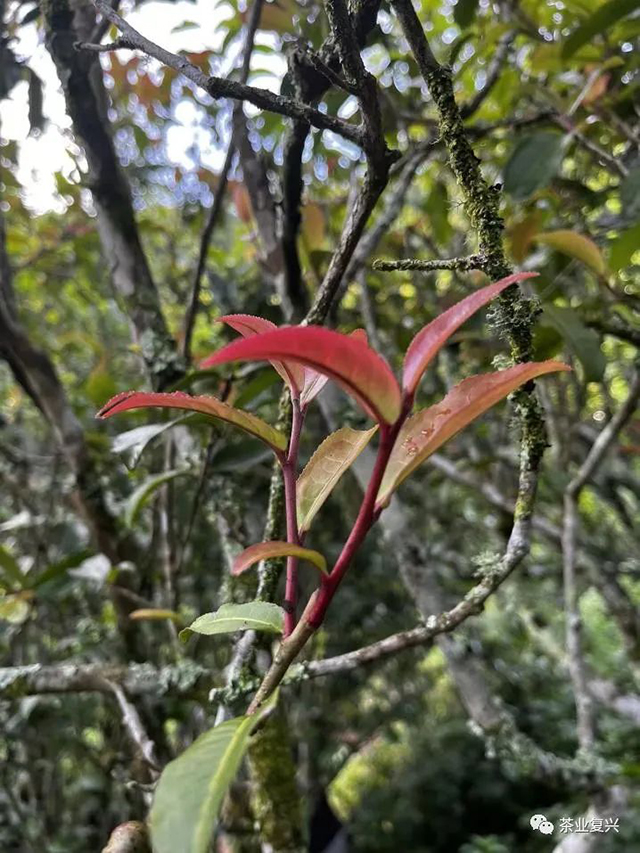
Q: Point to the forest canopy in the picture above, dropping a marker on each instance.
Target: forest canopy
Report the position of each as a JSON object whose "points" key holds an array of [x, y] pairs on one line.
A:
{"points": [[319, 440]]}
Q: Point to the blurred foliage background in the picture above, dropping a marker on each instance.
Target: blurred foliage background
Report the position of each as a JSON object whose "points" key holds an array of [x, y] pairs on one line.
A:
{"points": [[397, 750]]}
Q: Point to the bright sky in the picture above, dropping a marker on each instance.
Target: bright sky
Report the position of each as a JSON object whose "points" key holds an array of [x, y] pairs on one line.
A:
{"points": [[40, 157]]}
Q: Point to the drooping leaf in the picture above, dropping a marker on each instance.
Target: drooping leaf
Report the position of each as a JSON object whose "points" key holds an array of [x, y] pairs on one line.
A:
{"points": [[600, 21], [533, 163], [575, 246], [429, 340], [254, 615], [152, 614], [332, 458], [11, 570], [272, 549], [247, 325], [141, 495], [206, 405], [191, 788], [344, 358], [583, 341], [429, 429]]}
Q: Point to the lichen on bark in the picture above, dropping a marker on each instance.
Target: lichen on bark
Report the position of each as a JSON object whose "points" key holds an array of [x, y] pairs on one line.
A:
{"points": [[275, 797]]}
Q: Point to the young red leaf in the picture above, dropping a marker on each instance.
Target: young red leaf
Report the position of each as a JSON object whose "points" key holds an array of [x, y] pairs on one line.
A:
{"points": [[426, 344], [269, 550], [314, 382], [426, 431], [247, 325], [205, 405], [348, 360], [332, 458]]}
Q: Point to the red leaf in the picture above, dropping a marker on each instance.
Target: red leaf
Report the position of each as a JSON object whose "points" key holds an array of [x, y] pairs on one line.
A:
{"points": [[269, 550], [247, 325], [432, 338], [348, 360], [429, 429], [204, 405]]}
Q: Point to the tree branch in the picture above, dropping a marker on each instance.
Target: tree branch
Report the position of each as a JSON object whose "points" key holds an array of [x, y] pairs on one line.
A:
{"points": [[218, 87]]}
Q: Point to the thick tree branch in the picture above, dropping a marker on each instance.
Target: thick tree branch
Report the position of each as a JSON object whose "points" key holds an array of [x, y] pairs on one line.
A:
{"points": [[86, 98]]}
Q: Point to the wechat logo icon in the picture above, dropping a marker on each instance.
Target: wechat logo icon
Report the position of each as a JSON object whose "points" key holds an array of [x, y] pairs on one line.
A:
{"points": [[541, 824]]}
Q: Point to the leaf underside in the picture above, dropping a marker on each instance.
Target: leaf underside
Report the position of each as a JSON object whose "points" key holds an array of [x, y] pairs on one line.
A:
{"points": [[254, 615], [327, 465], [206, 405], [273, 549]]}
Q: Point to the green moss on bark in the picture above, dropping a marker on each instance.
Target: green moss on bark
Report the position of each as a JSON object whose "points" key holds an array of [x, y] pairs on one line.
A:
{"points": [[275, 798]]}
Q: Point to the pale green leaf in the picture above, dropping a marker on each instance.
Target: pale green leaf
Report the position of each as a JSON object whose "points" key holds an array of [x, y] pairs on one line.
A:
{"points": [[141, 495], [252, 616], [192, 787], [575, 246]]}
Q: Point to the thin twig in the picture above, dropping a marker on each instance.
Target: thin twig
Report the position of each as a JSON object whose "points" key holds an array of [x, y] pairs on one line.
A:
{"points": [[216, 207], [472, 262], [218, 87], [582, 697]]}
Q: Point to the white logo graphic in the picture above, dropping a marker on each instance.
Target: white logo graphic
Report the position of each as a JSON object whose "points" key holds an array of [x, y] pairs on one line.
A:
{"points": [[541, 824]]}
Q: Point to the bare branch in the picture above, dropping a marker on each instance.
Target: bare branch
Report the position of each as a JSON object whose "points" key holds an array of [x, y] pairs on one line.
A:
{"points": [[135, 727], [583, 700], [218, 87], [472, 262]]}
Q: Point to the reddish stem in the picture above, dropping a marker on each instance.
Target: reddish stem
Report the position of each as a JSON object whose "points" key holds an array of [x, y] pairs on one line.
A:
{"points": [[289, 476], [366, 518]]}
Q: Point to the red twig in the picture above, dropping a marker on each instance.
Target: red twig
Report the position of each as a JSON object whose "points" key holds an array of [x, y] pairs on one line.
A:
{"points": [[289, 476], [365, 520]]}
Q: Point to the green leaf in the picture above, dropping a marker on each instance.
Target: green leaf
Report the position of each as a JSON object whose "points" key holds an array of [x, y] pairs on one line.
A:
{"points": [[134, 442], [575, 246], [600, 21], [252, 616], [464, 13], [332, 458], [61, 567], [630, 194], [142, 494], [273, 549], [583, 342], [192, 787], [624, 247], [11, 570], [533, 163]]}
